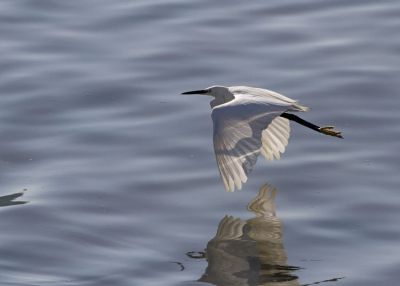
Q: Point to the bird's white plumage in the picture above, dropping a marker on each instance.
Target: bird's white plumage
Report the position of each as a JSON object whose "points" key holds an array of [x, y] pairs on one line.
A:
{"points": [[247, 125], [275, 138]]}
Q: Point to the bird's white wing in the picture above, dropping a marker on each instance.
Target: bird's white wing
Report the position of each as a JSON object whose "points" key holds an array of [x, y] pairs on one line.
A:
{"points": [[275, 138], [238, 128], [271, 95]]}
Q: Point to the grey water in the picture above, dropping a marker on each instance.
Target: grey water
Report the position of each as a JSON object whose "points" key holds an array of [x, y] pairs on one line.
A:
{"points": [[108, 174]]}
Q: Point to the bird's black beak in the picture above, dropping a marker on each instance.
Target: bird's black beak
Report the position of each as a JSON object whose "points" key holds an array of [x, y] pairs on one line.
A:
{"points": [[196, 92]]}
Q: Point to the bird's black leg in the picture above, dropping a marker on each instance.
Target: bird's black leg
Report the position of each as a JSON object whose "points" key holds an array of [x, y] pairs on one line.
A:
{"points": [[324, 130]]}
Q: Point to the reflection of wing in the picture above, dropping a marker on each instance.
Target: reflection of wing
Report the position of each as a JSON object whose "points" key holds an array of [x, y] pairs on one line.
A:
{"points": [[229, 228], [238, 133], [262, 205], [230, 256], [250, 252]]}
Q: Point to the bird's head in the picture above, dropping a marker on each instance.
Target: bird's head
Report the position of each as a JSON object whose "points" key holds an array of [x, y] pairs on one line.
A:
{"points": [[215, 91]]}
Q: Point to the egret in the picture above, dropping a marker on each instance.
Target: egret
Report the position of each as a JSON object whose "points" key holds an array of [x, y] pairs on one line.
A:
{"points": [[248, 121]]}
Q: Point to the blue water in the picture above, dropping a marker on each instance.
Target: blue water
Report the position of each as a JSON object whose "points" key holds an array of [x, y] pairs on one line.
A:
{"points": [[108, 174]]}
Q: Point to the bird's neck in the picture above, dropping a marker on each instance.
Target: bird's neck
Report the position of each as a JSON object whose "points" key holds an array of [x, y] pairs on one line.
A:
{"points": [[221, 99]]}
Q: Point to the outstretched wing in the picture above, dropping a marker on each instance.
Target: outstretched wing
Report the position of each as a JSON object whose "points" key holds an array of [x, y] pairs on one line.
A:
{"points": [[275, 138], [238, 128]]}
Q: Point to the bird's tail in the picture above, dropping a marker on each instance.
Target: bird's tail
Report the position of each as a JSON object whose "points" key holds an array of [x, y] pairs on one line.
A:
{"points": [[297, 107]]}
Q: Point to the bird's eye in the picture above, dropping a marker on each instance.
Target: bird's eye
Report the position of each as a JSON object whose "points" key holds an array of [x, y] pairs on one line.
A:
{"points": [[208, 90]]}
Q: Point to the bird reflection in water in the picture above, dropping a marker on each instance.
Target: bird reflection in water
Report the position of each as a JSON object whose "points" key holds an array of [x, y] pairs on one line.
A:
{"points": [[8, 200], [249, 252]]}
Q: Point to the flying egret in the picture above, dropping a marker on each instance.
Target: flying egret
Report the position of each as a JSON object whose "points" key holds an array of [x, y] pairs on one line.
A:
{"points": [[249, 121]]}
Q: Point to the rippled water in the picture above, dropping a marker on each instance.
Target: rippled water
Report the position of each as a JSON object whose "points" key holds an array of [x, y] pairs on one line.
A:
{"points": [[108, 175]]}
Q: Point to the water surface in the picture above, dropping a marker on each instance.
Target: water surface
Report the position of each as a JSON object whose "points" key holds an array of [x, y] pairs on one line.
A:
{"points": [[108, 174]]}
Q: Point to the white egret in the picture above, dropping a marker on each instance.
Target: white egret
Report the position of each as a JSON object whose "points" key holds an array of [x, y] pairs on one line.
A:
{"points": [[249, 121]]}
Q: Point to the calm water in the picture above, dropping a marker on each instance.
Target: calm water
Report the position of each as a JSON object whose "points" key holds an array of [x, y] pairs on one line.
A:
{"points": [[108, 175]]}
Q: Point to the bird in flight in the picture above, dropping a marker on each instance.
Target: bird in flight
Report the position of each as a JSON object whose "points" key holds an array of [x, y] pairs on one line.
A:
{"points": [[249, 121]]}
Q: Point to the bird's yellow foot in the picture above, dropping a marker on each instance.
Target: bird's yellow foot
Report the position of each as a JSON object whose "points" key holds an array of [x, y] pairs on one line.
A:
{"points": [[328, 131]]}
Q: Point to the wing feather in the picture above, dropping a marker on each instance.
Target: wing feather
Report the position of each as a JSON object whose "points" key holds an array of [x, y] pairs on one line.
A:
{"points": [[275, 138], [272, 143], [266, 150], [239, 127]]}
